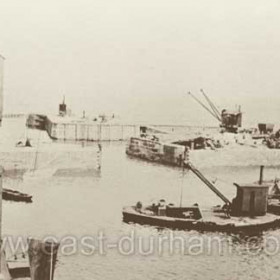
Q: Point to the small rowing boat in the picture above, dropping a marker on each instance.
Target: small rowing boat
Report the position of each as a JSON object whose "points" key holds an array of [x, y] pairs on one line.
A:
{"points": [[13, 195]]}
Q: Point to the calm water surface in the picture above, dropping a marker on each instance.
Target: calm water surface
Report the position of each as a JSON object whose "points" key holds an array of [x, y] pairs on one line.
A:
{"points": [[77, 202]]}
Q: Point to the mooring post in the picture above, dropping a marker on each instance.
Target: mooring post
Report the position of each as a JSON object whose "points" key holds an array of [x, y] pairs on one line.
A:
{"points": [[122, 131], [42, 258], [186, 156], [99, 157], [4, 272], [261, 175], [1, 189]]}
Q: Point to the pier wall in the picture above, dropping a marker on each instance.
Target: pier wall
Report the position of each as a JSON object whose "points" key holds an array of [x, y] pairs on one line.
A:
{"points": [[67, 129], [90, 132], [186, 129], [109, 132]]}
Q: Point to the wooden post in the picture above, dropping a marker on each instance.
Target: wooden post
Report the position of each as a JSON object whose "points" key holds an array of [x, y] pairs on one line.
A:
{"points": [[99, 132], [186, 159], [192, 145], [65, 127], [4, 272], [1, 210], [42, 258], [98, 157]]}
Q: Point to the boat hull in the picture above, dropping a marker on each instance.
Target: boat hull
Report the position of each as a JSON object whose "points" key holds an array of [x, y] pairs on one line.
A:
{"points": [[274, 208], [213, 224], [12, 195], [155, 151]]}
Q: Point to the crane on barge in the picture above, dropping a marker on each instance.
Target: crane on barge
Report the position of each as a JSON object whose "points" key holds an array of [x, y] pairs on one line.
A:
{"points": [[251, 199], [208, 184], [229, 121]]}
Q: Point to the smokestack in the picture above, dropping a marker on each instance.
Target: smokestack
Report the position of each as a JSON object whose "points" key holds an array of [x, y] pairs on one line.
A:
{"points": [[261, 175]]}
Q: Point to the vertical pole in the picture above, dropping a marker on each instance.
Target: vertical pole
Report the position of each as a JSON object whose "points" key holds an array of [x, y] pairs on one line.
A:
{"points": [[51, 268], [4, 271], [64, 127], [191, 145], [186, 159], [98, 156], [1, 210], [261, 175], [181, 196], [99, 132], [42, 259], [37, 152]]}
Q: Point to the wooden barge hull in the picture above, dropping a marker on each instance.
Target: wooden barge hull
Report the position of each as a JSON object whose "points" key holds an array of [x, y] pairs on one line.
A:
{"points": [[155, 151], [274, 208], [217, 224], [154, 159]]}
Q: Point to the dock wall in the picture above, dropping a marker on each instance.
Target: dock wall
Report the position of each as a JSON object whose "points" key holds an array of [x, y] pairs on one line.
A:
{"points": [[90, 132], [186, 129], [107, 132], [82, 130]]}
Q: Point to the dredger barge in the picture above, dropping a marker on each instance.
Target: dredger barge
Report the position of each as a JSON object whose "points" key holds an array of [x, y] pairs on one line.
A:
{"points": [[247, 212], [162, 147]]}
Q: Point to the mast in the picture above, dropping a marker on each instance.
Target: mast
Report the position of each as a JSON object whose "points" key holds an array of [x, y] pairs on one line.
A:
{"points": [[182, 185]]}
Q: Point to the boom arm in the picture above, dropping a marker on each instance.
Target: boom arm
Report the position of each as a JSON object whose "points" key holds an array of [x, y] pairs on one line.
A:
{"points": [[208, 183], [204, 106], [214, 108]]}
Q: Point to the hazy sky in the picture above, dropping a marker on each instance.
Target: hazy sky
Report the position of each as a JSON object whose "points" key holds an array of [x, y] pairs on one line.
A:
{"points": [[138, 59]]}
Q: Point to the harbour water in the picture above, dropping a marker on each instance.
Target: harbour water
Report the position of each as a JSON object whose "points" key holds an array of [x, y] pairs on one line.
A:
{"points": [[72, 201]]}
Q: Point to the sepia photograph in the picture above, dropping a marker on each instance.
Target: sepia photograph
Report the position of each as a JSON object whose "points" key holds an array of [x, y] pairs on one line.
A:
{"points": [[139, 140]]}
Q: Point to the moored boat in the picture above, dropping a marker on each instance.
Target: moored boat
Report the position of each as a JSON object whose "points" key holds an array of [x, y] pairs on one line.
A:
{"points": [[13, 195], [247, 212], [192, 218]]}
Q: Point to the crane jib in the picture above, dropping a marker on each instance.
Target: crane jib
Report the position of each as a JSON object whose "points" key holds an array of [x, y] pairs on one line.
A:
{"points": [[208, 183]]}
